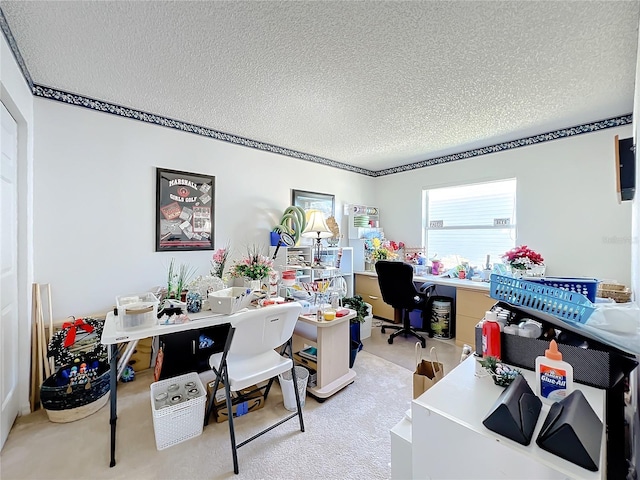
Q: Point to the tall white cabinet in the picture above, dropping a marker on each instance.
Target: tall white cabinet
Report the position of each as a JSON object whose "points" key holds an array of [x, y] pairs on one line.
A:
{"points": [[362, 220]]}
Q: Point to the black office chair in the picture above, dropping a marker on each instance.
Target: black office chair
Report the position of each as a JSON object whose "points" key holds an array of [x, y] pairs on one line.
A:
{"points": [[399, 291]]}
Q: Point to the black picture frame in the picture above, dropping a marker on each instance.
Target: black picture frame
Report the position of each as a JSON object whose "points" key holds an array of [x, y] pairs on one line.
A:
{"points": [[185, 210], [324, 202]]}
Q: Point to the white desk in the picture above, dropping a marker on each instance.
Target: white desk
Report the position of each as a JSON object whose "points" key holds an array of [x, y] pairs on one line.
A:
{"points": [[472, 300], [446, 425], [112, 336], [444, 281]]}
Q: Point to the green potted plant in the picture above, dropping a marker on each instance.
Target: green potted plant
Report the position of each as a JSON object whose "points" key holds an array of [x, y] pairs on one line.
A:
{"points": [[356, 303], [178, 277]]}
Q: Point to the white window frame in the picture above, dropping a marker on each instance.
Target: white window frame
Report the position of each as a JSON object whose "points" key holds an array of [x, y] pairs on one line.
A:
{"points": [[426, 227]]}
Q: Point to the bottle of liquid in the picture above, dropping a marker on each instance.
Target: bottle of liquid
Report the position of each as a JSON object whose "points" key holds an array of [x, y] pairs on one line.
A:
{"points": [[491, 335], [554, 377]]}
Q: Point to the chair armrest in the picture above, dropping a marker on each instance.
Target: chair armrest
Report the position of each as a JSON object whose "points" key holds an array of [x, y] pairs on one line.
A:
{"points": [[427, 288]]}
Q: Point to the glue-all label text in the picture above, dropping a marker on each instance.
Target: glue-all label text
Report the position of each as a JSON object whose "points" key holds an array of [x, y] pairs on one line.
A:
{"points": [[553, 382]]}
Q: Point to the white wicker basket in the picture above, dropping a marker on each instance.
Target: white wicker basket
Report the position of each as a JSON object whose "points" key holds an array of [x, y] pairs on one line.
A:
{"points": [[179, 422]]}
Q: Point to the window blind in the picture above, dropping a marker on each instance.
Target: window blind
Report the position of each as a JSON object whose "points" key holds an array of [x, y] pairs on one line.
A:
{"points": [[469, 222]]}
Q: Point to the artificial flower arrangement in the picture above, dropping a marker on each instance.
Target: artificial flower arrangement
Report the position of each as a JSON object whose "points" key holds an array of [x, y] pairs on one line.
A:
{"points": [[379, 249], [218, 261], [253, 265], [522, 258]]}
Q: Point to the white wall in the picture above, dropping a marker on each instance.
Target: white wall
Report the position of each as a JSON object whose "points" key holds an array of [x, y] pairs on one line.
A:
{"points": [[16, 97], [94, 215], [567, 207]]}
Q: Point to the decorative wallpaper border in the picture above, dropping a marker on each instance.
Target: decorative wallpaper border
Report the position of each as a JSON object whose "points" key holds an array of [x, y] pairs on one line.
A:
{"points": [[4, 25], [82, 101], [523, 142], [79, 100]]}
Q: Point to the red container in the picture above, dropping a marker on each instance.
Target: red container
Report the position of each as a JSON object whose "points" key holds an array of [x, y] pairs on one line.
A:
{"points": [[289, 275], [491, 336]]}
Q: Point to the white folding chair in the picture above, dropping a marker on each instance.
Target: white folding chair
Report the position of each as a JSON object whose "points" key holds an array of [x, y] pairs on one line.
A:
{"points": [[249, 358]]}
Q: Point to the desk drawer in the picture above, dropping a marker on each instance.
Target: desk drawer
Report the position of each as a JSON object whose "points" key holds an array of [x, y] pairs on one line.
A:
{"points": [[368, 288], [379, 308], [473, 303], [367, 285]]}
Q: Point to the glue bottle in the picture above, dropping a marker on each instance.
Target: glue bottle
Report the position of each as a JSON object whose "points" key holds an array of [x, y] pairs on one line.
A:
{"points": [[554, 377], [491, 335]]}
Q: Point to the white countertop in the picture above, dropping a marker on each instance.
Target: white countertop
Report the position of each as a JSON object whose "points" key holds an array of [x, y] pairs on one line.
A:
{"points": [[205, 318], [465, 398], [446, 281]]}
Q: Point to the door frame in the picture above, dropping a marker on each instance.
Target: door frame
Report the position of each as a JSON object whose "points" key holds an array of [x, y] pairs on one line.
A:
{"points": [[25, 244]]}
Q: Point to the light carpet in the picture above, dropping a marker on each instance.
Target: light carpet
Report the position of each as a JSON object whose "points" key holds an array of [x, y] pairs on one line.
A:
{"points": [[347, 436]]}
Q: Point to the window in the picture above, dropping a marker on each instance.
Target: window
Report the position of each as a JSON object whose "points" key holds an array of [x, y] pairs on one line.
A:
{"points": [[470, 222]]}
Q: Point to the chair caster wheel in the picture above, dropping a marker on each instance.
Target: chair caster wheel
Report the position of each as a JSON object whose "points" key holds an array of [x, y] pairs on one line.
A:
{"points": [[424, 344], [382, 329], [390, 340]]}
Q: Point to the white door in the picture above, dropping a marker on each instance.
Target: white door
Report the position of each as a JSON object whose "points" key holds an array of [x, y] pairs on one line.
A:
{"points": [[8, 273]]}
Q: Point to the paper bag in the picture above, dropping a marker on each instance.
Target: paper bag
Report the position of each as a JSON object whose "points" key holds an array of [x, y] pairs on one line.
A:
{"points": [[427, 373]]}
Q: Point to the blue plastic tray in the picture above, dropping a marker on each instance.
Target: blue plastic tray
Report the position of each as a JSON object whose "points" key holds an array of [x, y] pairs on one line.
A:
{"points": [[586, 286], [564, 304]]}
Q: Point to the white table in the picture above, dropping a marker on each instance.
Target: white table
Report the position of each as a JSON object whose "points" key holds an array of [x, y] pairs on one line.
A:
{"points": [[113, 337]]}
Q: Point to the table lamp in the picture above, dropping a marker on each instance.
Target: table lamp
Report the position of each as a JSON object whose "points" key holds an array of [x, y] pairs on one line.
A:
{"points": [[317, 228]]}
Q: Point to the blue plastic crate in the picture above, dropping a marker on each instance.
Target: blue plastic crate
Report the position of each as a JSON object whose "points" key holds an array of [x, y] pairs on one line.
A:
{"points": [[585, 286], [564, 304]]}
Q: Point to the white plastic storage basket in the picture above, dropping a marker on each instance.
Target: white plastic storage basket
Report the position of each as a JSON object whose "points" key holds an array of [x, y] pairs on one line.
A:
{"points": [[177, 419], [230, 300], [136, 311]]}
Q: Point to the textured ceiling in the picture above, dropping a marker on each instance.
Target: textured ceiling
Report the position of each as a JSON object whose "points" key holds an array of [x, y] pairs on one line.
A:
{"points": [[370, 84]]}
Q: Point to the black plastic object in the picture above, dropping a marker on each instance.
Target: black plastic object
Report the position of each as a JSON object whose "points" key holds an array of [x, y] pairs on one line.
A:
{"points": [[515, 413], [573, 431]]}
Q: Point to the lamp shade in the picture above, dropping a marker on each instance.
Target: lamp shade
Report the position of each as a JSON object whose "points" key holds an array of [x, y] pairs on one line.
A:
{"points": [[316, 226]]}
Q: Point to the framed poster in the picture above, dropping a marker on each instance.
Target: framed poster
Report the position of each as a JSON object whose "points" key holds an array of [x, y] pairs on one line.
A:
{"points": [[314, 201], [184, 210]]}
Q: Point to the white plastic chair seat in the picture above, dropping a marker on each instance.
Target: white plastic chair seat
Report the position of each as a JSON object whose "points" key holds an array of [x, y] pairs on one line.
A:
{"points": [[248, 370]]}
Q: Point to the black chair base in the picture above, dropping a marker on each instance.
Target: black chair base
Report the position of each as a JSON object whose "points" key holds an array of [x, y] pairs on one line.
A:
{"points": [[404, 332]]}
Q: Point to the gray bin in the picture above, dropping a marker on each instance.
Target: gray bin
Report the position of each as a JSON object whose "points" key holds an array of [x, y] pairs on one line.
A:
{"points": [[286, 384]]}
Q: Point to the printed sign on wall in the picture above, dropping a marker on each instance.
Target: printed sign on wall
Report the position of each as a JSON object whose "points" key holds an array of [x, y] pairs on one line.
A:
{"points": [[184, 210]]}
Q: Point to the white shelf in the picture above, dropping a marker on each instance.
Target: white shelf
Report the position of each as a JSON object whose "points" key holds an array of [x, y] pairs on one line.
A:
{"points": [[354, 214], [330, 257]]}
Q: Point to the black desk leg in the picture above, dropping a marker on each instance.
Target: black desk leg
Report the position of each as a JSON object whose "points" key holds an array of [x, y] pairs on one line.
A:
{"points": [[113, 372]]}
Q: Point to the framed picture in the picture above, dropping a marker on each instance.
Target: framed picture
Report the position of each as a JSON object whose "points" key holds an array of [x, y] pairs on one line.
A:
{"points": [[314, 201], [184, 210]]}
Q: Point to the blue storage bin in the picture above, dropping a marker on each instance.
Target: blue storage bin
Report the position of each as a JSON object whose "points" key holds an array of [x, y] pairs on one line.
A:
{"points": [[564, 304], [584, 286], [415, 318]]}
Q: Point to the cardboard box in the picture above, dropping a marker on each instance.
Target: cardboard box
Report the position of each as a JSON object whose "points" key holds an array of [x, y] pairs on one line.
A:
{"points": [[250, 402]]}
